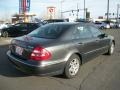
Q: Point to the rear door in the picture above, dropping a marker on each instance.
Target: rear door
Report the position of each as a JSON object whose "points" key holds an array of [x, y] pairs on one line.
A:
{"points": [[85, 42]]}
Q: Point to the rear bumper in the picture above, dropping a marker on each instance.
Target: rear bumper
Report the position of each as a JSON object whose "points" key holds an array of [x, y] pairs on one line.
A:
{"points": [[36, 68]]}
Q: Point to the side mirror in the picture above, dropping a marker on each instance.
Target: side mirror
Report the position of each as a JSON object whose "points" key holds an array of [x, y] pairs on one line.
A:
{"points": [[103, 35]]}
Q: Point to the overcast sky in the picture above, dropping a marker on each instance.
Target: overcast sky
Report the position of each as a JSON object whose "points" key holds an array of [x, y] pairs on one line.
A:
{"points": [[96, 7]]}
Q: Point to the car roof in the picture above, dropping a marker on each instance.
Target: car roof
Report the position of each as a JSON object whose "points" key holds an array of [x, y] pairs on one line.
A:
{"points": [[27, 23], [68, 23]]}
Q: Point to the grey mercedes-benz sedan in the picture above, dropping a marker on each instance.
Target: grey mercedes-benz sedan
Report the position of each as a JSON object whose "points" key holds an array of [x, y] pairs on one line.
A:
{"points": [[59, 48]]}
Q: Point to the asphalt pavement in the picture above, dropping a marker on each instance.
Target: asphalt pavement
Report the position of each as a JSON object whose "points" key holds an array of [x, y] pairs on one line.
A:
{"points": [[101, 73]]}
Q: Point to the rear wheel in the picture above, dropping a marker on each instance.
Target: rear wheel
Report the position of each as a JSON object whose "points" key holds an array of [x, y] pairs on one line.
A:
{"points": [[72, 67], [5, 34]]}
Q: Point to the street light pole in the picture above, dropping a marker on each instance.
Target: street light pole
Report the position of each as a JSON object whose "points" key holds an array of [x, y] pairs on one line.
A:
{"points": [[61, 9], [108, 3]]}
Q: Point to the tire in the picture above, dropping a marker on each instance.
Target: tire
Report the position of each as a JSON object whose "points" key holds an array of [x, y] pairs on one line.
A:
{"points": [[72, 66], [102, 27], [111, 49], [5, 34]]}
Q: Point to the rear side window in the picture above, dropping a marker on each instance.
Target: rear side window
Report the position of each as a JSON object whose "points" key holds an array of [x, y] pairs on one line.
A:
{"points": [[50, 31]]}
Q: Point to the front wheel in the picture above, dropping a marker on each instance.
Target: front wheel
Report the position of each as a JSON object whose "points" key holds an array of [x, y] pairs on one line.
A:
{"points": [[102, 27], [111, 49], [72, 66]]}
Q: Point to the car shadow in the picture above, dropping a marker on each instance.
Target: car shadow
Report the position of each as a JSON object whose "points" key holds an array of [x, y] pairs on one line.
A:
{"points": [[6, 68]]}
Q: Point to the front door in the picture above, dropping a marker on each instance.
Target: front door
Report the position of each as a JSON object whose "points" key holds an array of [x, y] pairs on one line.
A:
{"points": [[85, 42], [102, 43]]}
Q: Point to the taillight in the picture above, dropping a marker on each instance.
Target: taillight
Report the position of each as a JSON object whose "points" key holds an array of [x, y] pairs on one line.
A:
{"points": [[39, 54]]}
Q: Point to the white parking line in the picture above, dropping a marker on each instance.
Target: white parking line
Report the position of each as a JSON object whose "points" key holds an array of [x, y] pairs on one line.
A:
{"points": [[8, 41], [5, 40]]}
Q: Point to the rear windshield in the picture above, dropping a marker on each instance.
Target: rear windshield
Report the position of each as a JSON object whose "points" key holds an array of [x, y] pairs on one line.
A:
{"points": [[49, 31]]}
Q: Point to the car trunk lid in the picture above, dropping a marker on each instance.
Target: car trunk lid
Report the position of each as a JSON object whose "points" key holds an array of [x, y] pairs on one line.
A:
{"points": [[22, 47]]}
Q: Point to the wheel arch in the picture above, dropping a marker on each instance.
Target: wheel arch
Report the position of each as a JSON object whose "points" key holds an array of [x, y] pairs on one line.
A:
{"points": [[72, 53], [113, 42]]}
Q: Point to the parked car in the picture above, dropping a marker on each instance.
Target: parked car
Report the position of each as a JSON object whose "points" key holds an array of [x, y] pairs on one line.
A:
{"points": [[102, 25], [82, 20], [3, 26], [18, 29], [59, 48], [117, 25]]}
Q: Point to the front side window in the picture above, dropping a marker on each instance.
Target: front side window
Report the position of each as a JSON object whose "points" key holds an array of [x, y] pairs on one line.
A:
{"points": [[82, 31], [95, 31]]}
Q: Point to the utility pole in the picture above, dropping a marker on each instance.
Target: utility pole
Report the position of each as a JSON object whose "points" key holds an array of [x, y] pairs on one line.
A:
{"points": [[77, 10], [118, 6], [84, 10], [108, 4], [61, 2]]}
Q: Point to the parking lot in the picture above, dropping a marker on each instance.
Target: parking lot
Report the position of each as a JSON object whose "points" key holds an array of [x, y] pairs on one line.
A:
{"points": [[102, 73]]}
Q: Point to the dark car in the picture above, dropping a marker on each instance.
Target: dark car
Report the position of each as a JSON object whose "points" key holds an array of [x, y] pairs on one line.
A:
{"points": [[59, 48], [18, 29], [55, 20], [82, 20]]}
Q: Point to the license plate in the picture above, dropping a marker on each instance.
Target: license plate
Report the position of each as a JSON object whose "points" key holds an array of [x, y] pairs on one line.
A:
{"points": [[19, 50]]}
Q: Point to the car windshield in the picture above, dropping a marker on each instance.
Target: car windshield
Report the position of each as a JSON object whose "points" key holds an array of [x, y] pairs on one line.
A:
{"points": [[49, 31]]}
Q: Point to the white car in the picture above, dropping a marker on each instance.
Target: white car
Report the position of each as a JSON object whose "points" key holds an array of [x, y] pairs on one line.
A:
{"points": [[3, 26], [107, 26], [102, 25]]}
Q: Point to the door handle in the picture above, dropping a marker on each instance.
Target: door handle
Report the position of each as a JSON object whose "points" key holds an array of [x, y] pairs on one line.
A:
{"points": [[97, 40], [81, 43]]}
